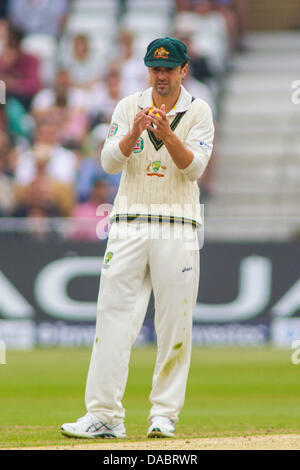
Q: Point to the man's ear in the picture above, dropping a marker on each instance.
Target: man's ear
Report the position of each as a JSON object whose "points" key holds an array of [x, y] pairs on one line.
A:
{"points": [[184, 71]]}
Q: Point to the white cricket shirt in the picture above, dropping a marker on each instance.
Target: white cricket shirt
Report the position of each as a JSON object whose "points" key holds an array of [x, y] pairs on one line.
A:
{"points": [[152, 186]]}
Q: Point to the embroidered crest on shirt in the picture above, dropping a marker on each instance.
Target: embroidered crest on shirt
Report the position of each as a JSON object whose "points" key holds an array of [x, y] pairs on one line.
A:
{"points": [[156, 169]]}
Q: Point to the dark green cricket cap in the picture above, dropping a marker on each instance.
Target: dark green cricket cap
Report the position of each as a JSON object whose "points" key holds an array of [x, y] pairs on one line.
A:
{"points": [[166, 52]]}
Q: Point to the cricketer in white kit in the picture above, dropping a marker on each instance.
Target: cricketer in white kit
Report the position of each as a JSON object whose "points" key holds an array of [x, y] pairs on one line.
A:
{"points": [[162, 140]]}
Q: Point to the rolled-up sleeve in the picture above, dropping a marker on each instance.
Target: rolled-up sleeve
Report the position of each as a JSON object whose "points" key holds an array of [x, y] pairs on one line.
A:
{"points": [[200, 142], [112, 159]]}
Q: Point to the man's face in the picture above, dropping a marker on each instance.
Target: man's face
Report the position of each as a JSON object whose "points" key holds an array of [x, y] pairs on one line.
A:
{"points": [[165, 81], [47, 133], [62, 81]]}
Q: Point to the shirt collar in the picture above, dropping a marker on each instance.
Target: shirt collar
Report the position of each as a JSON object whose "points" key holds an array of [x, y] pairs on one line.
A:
{"points": [[183, 102]]}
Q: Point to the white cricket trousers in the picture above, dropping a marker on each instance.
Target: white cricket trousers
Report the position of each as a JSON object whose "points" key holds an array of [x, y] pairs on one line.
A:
{"points": [[138, 263]]}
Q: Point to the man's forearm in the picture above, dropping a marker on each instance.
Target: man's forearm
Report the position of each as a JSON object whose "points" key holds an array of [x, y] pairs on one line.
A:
{"points": [[128, 142], [181, 156]]}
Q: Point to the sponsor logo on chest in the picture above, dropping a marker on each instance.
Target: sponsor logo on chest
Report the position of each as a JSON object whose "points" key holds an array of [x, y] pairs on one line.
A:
{"points": [[156, 169]]}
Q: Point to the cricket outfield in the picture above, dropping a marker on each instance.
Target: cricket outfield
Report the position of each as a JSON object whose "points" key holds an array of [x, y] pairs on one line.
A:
{"points": [[236, 398]]}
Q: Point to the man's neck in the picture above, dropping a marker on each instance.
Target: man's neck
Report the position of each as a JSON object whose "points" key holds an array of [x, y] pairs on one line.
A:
{"points": [[169, 101]]}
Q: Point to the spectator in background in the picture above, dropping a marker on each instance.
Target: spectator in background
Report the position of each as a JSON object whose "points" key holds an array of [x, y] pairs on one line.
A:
{"points": [[89, 168], [37, 204], [7, 151], [200, 67], [39, 16], [74, 124], [202, 7], [241, 11], [133, 74], [62, 164], [82, 64], [66, 106], [87, 226], [199, 90], [50, 197], [226, 9], [235, 14], [183, 5], [63, 91], [213, 35], [15, 120], [7, 187], [106, 96], [19, 70]]}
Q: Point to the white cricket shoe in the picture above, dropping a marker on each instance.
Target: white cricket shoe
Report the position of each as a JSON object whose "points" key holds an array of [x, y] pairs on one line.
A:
{"points": [[161, 426], [90, 427]]}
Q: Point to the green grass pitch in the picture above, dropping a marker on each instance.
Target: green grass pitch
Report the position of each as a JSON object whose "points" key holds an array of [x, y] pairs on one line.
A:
{"points": [[230, 392]]}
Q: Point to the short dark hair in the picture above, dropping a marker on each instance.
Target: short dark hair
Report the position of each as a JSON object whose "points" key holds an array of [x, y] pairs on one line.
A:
{"points": [[184, 64]]}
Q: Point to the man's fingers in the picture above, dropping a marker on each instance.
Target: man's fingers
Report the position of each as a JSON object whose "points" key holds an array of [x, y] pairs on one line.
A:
{"points": [[155, 119], [142, 112], [163, 108], [141, 118], [141, 121], [139, 115], [161, 112], [151, 128], [146, 120]]}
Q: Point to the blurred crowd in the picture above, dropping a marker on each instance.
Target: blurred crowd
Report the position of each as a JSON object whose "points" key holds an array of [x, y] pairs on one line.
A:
{"points": [[62, 87]]}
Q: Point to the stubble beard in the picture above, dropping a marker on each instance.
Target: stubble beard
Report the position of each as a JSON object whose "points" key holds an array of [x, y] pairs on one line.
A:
{"points": [[166, 90], [163, 91]]}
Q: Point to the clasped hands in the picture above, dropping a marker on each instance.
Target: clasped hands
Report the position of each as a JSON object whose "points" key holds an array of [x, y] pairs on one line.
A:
{"points": [[158, 117]]}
